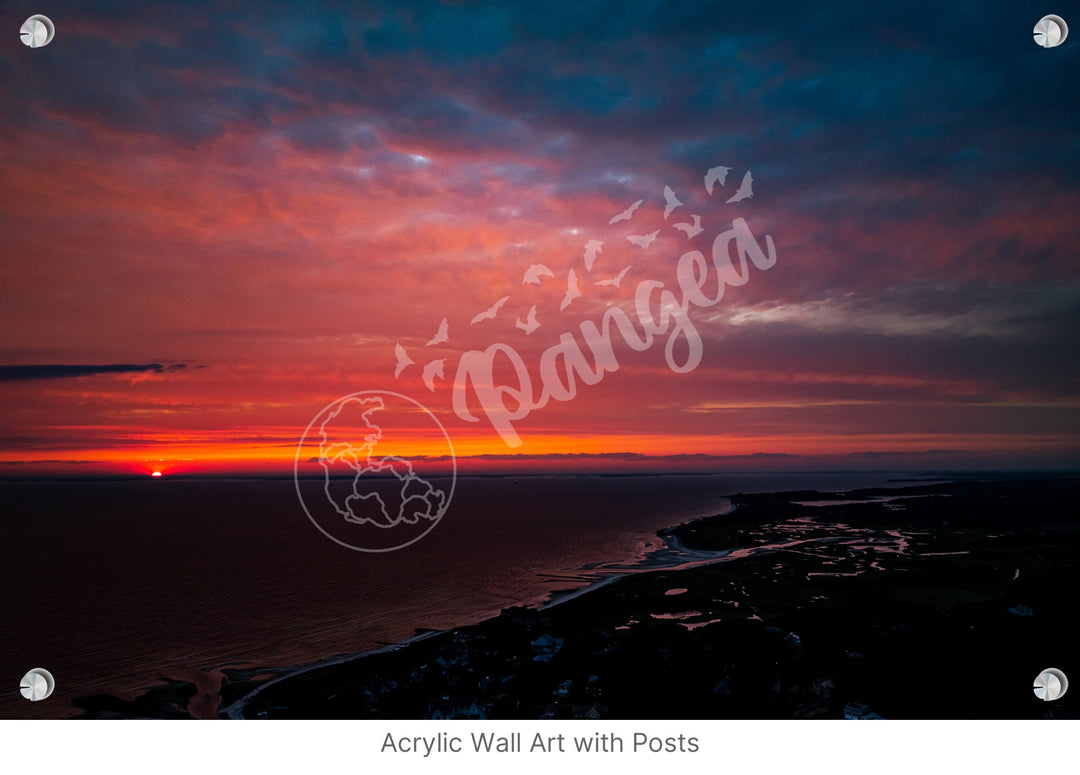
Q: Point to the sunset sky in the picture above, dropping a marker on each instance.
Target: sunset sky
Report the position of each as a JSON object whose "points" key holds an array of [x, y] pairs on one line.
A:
{"points": [[218, 218]]}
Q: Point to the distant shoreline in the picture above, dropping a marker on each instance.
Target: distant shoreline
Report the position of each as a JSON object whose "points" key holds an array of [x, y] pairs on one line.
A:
{"points": [[7, 476]]}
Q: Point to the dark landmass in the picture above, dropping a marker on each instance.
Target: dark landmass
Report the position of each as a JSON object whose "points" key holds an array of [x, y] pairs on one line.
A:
{"points": [[939, 601], [168, 701]]}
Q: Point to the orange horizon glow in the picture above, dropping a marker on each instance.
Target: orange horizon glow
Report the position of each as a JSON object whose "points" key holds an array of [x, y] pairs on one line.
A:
{"points": [[481, 452]]}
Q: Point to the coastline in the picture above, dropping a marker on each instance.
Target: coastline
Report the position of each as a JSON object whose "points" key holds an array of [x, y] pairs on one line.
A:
{"points": [[672, 555], [832, 597], [235, 710]]}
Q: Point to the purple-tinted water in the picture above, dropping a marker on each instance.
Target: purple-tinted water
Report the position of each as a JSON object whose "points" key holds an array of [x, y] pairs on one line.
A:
{"points": [[114, 586]]}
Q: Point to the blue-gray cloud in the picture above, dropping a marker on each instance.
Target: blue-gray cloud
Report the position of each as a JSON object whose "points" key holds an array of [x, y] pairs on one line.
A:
{"points": [[26, 372]]}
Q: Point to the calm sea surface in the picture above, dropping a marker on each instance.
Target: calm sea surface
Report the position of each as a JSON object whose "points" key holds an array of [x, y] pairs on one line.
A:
{"points": [[114, 586]]}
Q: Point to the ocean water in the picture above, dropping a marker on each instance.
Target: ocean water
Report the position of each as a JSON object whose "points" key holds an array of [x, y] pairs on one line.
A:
{"points": [[116, 586]]}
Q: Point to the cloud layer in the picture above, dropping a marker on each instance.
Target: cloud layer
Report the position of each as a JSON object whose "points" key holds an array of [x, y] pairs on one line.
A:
{"points": [[285, 191]]}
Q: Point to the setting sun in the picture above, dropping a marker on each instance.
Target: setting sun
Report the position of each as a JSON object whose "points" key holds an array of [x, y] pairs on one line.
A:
{"points": [[156, 473]]}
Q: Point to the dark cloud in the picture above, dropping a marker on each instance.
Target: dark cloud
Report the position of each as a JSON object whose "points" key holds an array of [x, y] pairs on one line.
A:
{"points": [[47, 462], [64, 371], [690, 83]]}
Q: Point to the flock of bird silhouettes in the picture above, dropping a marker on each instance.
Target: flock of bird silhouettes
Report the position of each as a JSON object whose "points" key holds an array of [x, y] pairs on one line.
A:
{"points": [[536, 272]]}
